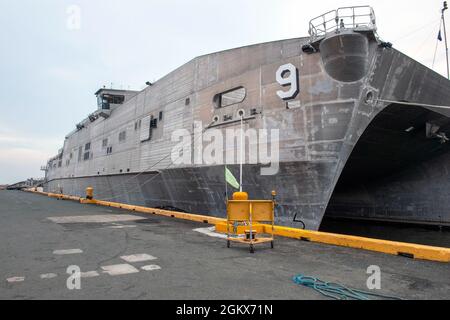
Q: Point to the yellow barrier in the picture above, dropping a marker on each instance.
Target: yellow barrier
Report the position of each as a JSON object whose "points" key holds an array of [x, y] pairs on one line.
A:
{"points": [[63, 197], [411, 250], [390, 247]]}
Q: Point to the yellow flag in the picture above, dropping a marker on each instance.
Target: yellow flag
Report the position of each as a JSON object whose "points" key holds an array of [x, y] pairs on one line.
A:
{"points": [[231, 180]]}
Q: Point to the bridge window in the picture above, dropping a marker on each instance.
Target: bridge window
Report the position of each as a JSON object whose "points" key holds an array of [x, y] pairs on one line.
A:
{"points": [[87, 153], [104, 143], [230, 97], [105, 100], [122, 136], [153, 123]]}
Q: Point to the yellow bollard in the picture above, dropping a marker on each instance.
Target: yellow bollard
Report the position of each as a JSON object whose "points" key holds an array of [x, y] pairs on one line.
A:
{"points": [[89, 193], [274, 196]]}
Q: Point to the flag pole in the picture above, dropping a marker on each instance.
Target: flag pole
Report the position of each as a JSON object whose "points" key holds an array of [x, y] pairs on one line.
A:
{"points": [[437, 44], [445, 36], [226, 185], [242, 149]]}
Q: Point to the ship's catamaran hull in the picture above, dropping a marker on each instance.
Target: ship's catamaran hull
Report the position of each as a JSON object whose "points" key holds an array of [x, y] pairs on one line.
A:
{"points": [[349, 145]]}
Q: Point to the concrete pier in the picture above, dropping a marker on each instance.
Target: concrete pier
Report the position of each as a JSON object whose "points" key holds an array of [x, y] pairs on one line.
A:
{"points": [[126, 255]]}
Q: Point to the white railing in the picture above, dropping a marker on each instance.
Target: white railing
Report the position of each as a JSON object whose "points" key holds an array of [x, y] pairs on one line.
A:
{"points": [[360, 18]]}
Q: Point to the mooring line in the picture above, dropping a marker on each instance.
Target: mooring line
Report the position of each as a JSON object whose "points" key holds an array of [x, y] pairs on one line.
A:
{"points": [[159, 172], [337, 291], [416, 104]]}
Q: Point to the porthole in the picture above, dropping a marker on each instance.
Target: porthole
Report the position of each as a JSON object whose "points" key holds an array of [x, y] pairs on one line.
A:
{"points": [[370, 98]]}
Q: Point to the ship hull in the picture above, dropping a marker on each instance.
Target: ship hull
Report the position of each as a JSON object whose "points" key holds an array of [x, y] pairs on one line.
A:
{"points": [[203, 190], [348, 145], [416, 194]]}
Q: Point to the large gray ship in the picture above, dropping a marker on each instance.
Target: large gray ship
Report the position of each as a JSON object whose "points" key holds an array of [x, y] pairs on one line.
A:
{"points": [[363, 130]]}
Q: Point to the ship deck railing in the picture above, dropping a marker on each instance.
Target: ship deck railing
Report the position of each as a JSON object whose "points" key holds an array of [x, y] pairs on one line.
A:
{"points": [[358, 18]]}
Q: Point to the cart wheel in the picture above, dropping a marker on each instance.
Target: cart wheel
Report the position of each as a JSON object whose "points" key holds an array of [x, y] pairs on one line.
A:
{"points": [[252, 249], [272, 244], [228, 244]]}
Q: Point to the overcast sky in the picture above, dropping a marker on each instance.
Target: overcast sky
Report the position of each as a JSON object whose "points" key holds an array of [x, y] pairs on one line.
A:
{"points": [[49, 70]]}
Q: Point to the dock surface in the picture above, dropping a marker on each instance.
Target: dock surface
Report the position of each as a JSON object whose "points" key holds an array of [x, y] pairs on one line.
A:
{"points": [[124, 255]]}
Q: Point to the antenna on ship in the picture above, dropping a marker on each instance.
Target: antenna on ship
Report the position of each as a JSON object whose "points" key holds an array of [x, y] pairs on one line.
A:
{"points": [[445, 36]]}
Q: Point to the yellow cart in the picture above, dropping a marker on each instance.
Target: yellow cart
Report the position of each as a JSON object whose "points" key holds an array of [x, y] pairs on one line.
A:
{"points": [[246, 214]]}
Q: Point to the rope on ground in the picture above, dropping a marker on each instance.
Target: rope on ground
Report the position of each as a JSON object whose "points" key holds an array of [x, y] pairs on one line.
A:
{"points": [[337, 291]]}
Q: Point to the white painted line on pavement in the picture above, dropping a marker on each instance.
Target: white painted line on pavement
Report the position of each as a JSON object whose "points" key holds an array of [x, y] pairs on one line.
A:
{"points": [[119, 269], [89, 274], [210, 232], [138, 258], [152, 267], [97, 219], [48, 276], [121, 227], [16, 279], [66, 252]]}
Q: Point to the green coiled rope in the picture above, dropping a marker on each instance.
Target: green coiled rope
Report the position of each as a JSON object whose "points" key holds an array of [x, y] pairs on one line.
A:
{"points": [[337, 291]]}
